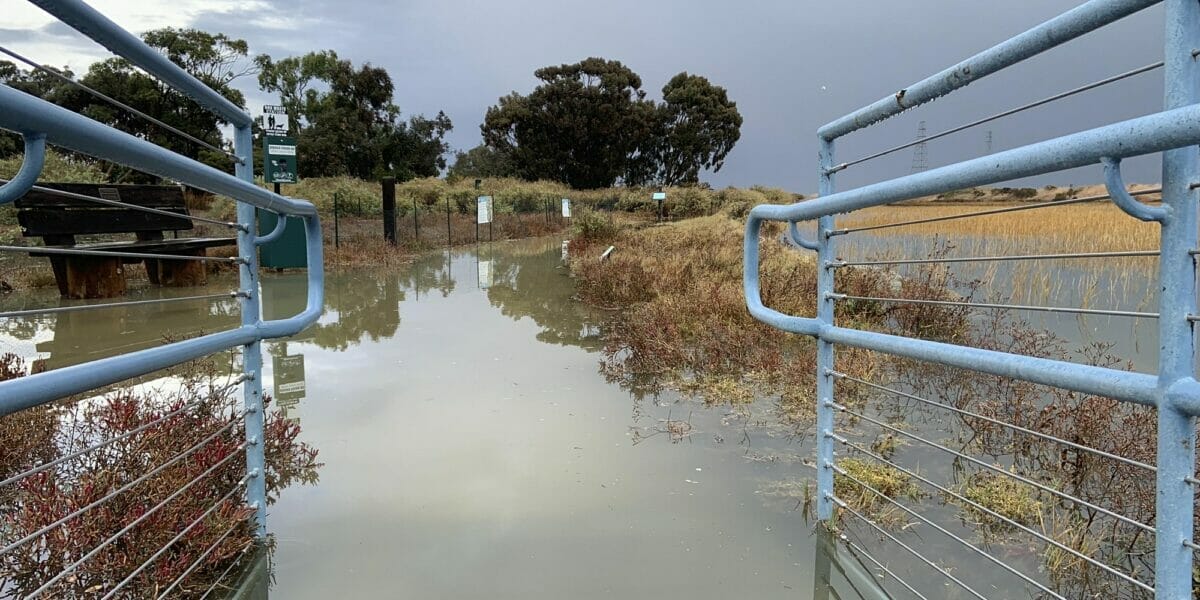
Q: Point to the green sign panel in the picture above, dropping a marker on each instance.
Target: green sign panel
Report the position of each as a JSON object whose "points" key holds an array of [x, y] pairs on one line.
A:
{"points": [[289, 379], [279, 159]]}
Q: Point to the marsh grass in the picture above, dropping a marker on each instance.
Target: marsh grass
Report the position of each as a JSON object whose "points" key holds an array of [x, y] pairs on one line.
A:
{"points": [[680, 319], [884, 479], [1004, 495]]}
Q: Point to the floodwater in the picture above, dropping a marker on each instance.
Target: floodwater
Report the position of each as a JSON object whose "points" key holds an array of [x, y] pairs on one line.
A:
{"points": [[473, 448]]}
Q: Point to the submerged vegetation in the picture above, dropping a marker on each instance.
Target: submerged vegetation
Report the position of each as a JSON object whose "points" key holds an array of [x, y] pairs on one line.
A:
{"points": [[678, 320], [683, 321], [890, 482]]}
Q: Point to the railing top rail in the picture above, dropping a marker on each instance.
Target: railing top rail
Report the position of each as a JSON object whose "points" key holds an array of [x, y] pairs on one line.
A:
{"points": [[93, 24], [1061, 29], [1142, 135]]}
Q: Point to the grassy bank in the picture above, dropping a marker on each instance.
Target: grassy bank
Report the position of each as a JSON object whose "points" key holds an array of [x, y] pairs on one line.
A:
{"points": [[678, 320], [681, 319]]}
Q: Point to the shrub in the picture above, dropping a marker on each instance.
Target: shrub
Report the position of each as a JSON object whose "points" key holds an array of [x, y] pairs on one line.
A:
{"points": [[59, 168], [592, 226], [210, 473]]}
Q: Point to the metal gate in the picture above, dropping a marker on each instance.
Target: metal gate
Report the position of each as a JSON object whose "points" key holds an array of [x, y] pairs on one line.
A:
{"points": [[1173, 390], [40, 123]]}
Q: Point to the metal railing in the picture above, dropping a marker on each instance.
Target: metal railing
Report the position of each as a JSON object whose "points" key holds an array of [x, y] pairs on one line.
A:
{"points": [[40, 123], [1172, 390]]}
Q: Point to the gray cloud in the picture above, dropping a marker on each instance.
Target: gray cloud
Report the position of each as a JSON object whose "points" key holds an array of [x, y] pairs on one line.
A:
{"points": [[791, 66]]}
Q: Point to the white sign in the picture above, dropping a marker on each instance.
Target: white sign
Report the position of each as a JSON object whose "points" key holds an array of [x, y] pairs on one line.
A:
{"points": [[566, 203], [275, 119], [660, 196], [279, 150], [292, 388], [485, 274], [483, 209]]}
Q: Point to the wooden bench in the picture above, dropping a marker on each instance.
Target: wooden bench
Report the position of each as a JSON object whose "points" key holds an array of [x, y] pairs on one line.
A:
{"points": [[58, 220]]}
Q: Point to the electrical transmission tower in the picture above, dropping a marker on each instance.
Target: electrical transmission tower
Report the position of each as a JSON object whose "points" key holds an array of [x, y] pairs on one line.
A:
{"points": [[989, 141], [920, 160]]}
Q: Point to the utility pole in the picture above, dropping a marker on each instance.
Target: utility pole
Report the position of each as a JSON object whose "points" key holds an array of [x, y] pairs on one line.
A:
{"points": [[920, 161]]}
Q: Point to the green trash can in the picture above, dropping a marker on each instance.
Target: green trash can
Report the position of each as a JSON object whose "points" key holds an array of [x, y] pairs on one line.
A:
{"points": [[289, 250]]}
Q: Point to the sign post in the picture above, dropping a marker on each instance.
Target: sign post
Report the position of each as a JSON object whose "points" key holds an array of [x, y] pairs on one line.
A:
{"points": [[279, 150], [660, 197], [279, 166], [279, 159], [483, 214]]}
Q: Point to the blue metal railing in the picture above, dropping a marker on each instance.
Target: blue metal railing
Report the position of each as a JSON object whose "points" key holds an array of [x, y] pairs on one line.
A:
{"points": [[1173, 390], [41, 123]]}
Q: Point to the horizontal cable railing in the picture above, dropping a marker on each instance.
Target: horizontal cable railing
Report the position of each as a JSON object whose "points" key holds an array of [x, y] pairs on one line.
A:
{"points": [[974, 415], [993, 211], [161, 551], [1031, 415], [67, 570], [117, 103], [994, 306], [888, 535], [1000, 115], [124, 436], [120, 490], [107, 305], [997, 470], [137, 207]]}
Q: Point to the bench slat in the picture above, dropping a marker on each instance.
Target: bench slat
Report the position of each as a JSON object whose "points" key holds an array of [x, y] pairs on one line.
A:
{"points": [[151, 196], [160, 246], [107, 220]]}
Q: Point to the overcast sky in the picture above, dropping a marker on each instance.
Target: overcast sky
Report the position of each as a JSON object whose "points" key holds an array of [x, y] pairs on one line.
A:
{"points": [[790, 65]]}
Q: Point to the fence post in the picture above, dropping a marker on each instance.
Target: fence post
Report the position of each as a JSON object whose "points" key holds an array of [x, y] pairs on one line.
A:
{"points": [[337, 238], [826, 254], [256, 486], [449, 238], [389, 209], [416, 223], [1177, 275]]}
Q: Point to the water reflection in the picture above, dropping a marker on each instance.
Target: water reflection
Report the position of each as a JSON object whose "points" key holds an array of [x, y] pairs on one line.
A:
{"points": [[54, 341], [532, 281], [288, 379]]}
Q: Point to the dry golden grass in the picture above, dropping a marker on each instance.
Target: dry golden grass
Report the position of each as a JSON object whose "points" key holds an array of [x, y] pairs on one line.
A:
{"points": [[1090, 227], [1078, 228], [680, 316]]}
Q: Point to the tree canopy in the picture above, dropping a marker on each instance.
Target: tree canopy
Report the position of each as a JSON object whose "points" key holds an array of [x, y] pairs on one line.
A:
{"points": [[481, 161], [700, 126], [345, 117], [589, 125], [346, 122]]}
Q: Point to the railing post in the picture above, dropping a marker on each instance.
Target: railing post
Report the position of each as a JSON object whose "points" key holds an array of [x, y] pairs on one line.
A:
{"points": [[826, 254], [1177, 273], [256, 489]]}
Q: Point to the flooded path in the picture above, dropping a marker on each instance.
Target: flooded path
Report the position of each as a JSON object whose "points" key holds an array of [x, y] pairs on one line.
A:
{"points": [[473, 449]]}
